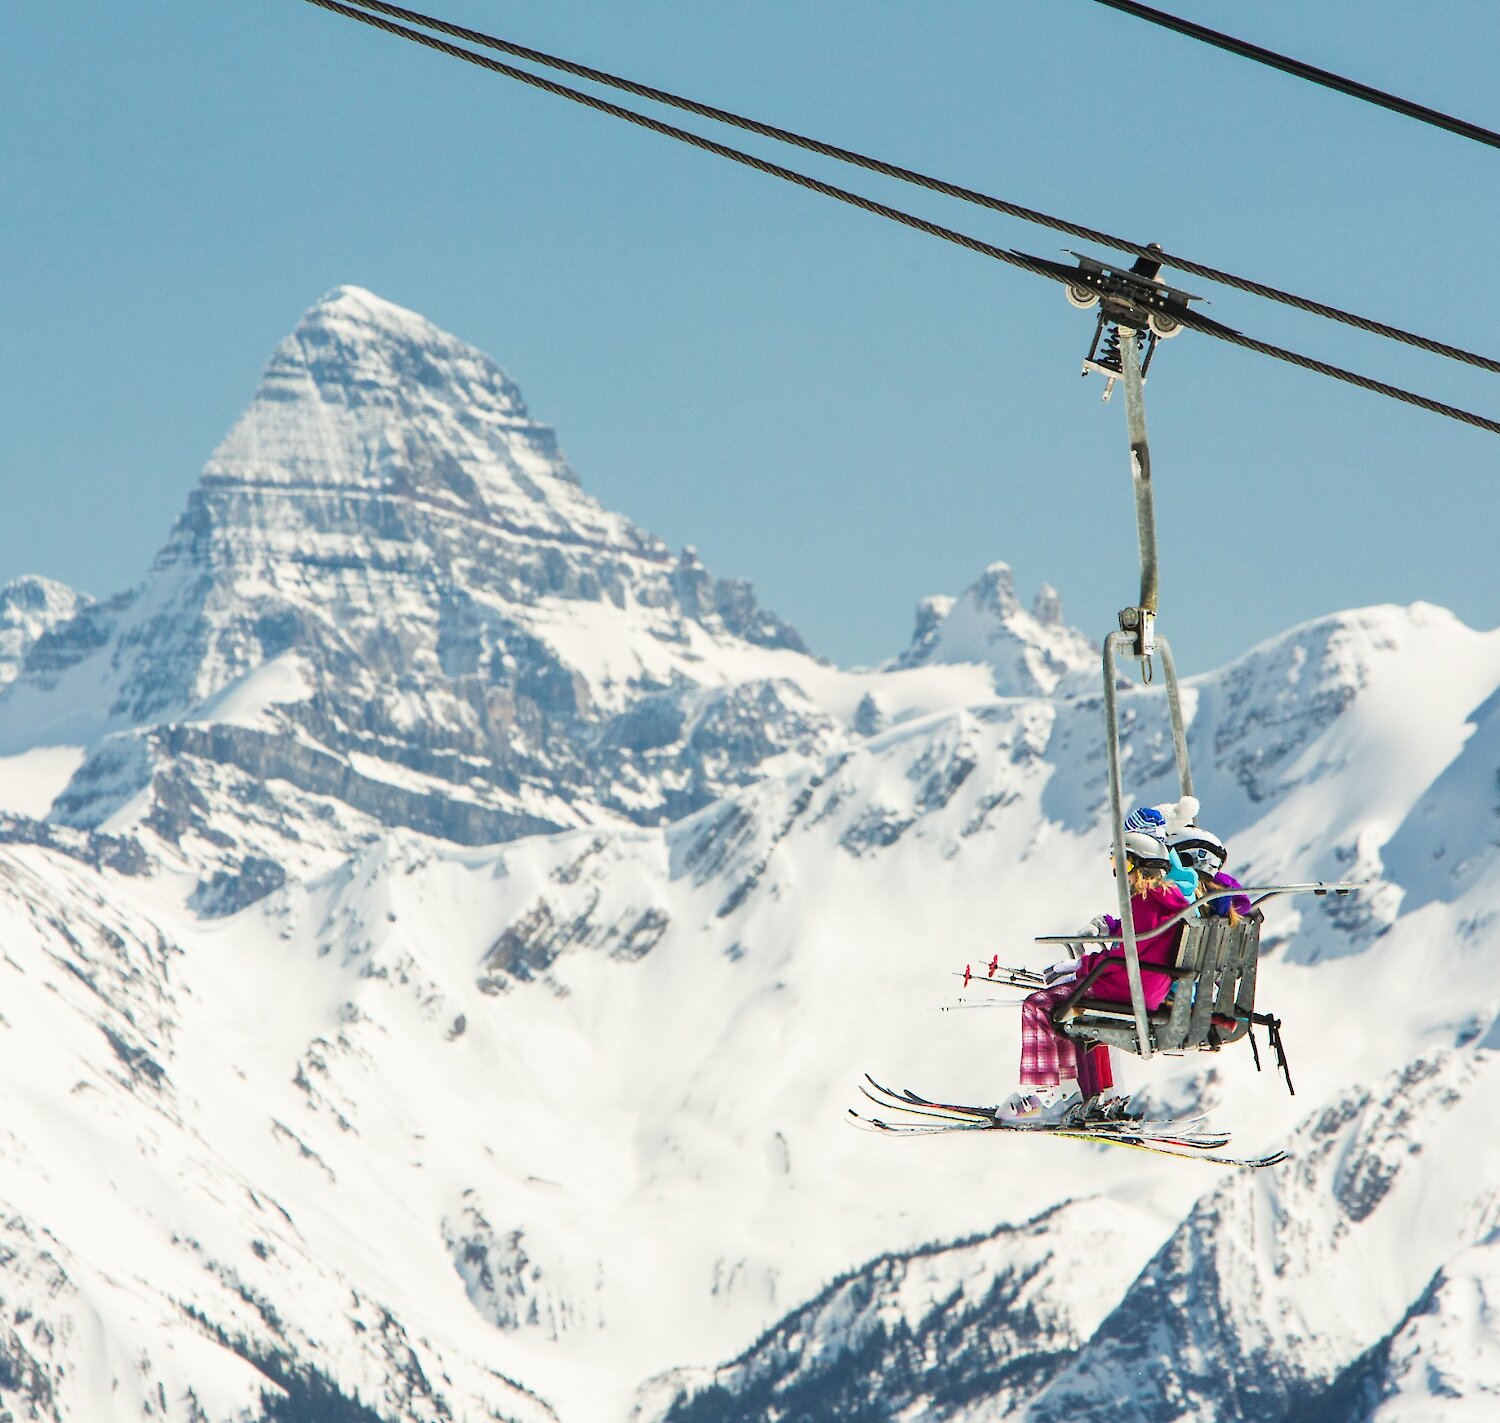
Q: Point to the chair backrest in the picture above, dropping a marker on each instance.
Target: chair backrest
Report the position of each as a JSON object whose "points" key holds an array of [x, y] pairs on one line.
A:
{"points": [[1218, 998]]}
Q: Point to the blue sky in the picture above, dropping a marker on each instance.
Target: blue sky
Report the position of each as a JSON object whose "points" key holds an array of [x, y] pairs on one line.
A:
{"points": [[846, 413]]}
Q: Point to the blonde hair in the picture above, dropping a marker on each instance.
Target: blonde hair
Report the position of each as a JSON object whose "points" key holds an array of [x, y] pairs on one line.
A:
{"points": [[1141, 879]]}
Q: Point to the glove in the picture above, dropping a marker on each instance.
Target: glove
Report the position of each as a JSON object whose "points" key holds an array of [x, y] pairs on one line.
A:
{"points": [[1057, 972], [1101, 925]]}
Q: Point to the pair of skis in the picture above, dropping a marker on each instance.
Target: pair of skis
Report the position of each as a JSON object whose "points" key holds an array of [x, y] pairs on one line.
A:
{"points": [[924, 1116]]}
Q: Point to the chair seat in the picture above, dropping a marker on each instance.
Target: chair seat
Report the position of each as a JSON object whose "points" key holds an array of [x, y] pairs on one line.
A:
{"points": [[1209, 1005]]}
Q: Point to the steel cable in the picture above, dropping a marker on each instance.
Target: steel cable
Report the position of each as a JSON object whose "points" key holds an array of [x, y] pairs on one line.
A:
{"points": [[973, 244], [708, 145], [1408, 108], [935, 185]]}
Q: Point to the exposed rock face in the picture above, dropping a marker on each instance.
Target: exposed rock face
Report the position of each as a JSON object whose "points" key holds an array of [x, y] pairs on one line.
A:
{"points": [[507, 1285], [390, 603], [1030, 652], [29, 609]]}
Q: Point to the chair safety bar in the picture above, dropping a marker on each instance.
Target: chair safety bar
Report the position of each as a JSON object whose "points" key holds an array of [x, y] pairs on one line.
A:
{"points": [[1264, 891]]}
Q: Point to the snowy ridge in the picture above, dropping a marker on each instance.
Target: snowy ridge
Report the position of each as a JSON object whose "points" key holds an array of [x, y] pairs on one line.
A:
{"points": [[1271, 1279], [924, 1334], [1442, 1361], [1030, 653]]}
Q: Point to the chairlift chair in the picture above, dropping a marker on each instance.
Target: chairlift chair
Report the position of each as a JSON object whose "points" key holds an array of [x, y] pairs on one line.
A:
{"points": [[1212, 1002]]}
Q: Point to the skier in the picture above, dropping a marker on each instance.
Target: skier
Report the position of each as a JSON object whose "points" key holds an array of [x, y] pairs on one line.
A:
{"points": [[1096, 1075], [1052, 1061], [1205, 854], [1153, 820]]}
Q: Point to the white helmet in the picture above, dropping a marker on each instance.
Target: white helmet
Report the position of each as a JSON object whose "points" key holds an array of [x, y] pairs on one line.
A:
{"points": [[1145, 851], [1199, 849]]}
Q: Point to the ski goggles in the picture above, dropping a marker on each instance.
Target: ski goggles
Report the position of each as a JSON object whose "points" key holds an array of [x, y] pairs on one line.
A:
{"points": [[1199, 857]]}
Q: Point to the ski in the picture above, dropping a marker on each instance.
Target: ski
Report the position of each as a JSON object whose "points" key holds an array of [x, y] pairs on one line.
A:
{"points": [[1162, 1147], [983, 1117], [1175, 1131], [934, 1128], [907, 1098]]}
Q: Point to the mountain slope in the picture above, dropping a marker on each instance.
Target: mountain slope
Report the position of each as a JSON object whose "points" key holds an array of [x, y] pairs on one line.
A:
{"points": [[29, 609], [1251, 1312], [585, 1090], [930, 1333], [1275, 1282]]}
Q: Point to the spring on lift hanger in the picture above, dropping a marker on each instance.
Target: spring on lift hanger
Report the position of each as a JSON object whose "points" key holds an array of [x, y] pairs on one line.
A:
{"points": [[1134, 300]]}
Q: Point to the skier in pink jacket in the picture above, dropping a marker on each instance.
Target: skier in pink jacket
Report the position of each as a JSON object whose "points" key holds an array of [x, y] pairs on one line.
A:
{"points": [[1050, 1060], [1155, 903]]}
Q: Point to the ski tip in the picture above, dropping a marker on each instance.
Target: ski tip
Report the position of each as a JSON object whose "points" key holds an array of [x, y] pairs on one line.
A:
{"points": [[1250, 1163]]}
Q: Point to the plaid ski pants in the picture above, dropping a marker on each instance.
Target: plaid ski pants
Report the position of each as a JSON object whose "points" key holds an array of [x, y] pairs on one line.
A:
{"points": [[1048, 1056]]}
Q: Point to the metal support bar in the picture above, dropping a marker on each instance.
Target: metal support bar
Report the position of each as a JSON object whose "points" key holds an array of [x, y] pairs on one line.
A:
{"points": [[1264, 892], [1174, 705], [1117, 828], [1140, 466]]}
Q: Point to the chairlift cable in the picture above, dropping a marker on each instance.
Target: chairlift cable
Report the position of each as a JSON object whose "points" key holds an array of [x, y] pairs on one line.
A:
{"points": [[973, 244], [1311, 363], [708, 145], [1408, 108], [931, 184]]}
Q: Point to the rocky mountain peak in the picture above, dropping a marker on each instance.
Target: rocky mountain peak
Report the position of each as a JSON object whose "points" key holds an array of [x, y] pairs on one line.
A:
{"points": [[1029, 653], [400, 406], [353, 340], [30, 607], [390, 592]]}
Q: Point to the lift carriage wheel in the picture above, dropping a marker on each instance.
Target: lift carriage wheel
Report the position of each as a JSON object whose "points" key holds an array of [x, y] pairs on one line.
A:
{"points": [[1163, 325], [1081, 297]]}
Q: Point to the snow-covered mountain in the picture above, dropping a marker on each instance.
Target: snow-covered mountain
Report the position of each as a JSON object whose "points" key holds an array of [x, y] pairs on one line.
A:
{"points": [[1263, 1304], [442, 931], [29, 608], [389, 603], [1030, 652]]}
